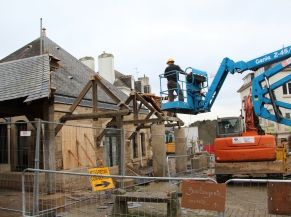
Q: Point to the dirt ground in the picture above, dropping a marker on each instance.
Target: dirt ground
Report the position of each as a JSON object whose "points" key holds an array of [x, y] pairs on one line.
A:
{"points": [[242, 200], [10, 200]]}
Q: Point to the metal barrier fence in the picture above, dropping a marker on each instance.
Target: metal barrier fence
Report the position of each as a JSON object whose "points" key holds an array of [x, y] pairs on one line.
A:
{"points": [[75, 147], [73, 196], [258, 197]]}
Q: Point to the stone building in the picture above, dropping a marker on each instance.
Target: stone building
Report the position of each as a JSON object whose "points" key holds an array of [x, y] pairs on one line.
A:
{"points": [[42, 80]]}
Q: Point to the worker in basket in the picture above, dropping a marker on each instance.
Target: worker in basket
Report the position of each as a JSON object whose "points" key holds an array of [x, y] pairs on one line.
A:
{"points": [[172, 74]]}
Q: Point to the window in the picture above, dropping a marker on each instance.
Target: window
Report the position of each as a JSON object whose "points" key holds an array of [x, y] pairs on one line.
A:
{"points": [[287, 115], [3, 144], [228, 126], [286, 89], [134, 146], [142, 143], [110, 144], [22, 146]]}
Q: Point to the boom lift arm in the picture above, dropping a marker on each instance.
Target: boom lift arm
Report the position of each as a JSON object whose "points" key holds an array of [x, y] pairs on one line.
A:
{"points": [[199, 103]]}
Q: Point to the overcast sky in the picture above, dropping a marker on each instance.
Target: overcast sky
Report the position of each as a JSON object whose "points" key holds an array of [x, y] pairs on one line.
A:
{"points": [[143, 34]]}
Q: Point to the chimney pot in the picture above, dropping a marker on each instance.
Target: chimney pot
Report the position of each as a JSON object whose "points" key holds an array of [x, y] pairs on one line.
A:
{"points": [[43, 31]]}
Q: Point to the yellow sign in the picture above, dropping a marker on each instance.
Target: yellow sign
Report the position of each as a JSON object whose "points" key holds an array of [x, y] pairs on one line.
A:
{"points": [[100, 183]]}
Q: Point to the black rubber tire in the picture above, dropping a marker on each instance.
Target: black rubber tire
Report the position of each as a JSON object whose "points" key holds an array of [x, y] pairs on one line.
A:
{"points": [[278, 176], [222, 178]]}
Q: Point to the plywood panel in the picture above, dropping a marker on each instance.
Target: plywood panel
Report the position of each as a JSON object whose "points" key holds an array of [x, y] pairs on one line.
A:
{"points": [[69, 139], [86, 147]]}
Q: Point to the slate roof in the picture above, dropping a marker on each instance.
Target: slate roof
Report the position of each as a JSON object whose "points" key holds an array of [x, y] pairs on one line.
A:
{"points": [[25, 78], [71, 76], [118, 82]]}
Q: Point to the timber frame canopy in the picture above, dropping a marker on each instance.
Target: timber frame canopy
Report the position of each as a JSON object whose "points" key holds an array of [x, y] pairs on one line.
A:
{"points": [[134, 104]]}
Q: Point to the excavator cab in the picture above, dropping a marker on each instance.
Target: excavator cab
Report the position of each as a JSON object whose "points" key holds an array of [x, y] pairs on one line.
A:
{"points": [[192, 86], [229, 127]]}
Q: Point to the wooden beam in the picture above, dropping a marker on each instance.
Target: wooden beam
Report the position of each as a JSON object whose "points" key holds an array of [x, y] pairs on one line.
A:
{"points": [[49, 144], [108, 91], [135, 112], [94, 96], [146, 121], [115, 98], [148, 106], [139, 107], [80, 97], [93, 115], [152, 102], [121, 147], [149, 115], [139, 121], [127, 101], [143, 126], [167, 118], [100, 136], [74, 105]]}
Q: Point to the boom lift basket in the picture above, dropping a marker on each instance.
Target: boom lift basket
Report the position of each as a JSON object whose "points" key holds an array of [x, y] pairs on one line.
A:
{"points": [[192, 85]]}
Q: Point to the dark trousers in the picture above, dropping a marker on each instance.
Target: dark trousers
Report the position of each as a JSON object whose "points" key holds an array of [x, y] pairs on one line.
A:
{"points": [[174, 86]]}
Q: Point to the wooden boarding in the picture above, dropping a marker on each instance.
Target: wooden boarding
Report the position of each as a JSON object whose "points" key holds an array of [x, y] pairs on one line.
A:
{"points": [[203, 195], [279, 198], [69, 144], [288, 164], [75, 157], [86, 151], [263, 167], [78, 141]]}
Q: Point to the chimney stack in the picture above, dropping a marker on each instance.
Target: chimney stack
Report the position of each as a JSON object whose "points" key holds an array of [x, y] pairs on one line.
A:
{"points": [[106, 66], [88, 61], [44, 32]]}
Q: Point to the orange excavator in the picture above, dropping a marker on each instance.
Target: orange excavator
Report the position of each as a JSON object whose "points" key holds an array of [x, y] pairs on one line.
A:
{"points": [[246, 150], [237, 145]]}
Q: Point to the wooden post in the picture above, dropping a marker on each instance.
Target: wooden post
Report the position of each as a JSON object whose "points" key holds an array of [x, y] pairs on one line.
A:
{"points": [[121, 147], [49, 145], [173, 205]]}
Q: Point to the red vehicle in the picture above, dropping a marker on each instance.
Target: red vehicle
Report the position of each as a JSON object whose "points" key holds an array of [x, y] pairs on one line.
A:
{"points": [[209, 148]]}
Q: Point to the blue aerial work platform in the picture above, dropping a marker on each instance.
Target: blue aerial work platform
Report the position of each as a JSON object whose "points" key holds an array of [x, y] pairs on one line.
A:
{"points": [[199, 98]]}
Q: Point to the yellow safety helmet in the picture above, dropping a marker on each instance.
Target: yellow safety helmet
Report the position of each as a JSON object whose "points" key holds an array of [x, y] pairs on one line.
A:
{"points": [[170, 60]]}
